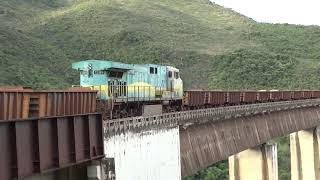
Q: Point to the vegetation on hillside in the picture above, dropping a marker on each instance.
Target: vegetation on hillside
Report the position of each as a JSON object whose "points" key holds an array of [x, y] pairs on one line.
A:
{"points": [[214, 47], [222, 49], [216, 172]]}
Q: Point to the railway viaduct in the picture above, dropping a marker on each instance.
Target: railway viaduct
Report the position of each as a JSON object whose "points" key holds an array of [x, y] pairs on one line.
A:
{"points": [[176, 145]]}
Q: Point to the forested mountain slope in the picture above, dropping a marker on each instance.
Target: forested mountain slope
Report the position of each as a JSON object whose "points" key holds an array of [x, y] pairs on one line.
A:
{"points": [[214, 47]]}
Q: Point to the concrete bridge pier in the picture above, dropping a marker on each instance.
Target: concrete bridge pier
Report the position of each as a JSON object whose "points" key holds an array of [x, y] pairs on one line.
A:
{"points": [[78, 172], [258, 163], [86, 171], [304, 147], [145, 155], [95, 171]]}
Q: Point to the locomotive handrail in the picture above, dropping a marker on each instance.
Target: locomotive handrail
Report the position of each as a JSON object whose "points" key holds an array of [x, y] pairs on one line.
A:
{"points": [[126, 93], [204, 115]]}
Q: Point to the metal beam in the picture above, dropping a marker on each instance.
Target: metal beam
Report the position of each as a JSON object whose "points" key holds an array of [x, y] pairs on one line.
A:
{"points": [[37, 145]]}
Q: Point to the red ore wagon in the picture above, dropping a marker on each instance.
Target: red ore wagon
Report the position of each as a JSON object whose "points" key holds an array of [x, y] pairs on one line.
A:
{"points": [[249, 96], [194, 98], [275, 95], [307, 94], [234, 97], [263, 96], [286, 95], [297, 95], [19, 103], [316, 94], [216, 98]]}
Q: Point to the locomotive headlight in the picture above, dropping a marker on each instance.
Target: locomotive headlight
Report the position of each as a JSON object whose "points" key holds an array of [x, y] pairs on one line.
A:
{"points": [[90, 72]]}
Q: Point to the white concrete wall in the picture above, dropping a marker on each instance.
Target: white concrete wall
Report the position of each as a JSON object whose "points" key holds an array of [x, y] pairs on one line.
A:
{"points": [[150, 155]]}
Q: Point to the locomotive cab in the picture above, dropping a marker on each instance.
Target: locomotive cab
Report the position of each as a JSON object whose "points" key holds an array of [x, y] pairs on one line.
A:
{"points": [[174, 83], [117, 83], [108, 78]]}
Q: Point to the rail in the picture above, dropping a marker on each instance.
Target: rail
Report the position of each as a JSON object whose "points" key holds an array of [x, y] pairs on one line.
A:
{"points": [[203, 115]]}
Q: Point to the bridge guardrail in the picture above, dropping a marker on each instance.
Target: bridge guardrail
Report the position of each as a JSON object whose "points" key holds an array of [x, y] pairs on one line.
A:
{"points": [[203, 115]]}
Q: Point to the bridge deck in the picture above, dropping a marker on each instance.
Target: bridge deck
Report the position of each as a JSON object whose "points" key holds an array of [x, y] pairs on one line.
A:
{"points": [[186, 118]]}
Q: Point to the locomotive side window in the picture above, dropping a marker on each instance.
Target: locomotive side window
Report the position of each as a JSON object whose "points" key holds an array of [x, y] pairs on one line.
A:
{"points": [[90, 73], [99, 72], [176, 75], [151, 70], [115, 74], [170, 74], [84, 72]]}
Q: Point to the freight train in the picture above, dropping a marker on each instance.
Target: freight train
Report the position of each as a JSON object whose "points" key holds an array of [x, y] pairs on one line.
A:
{"points": [[203, 99], [123, 89]]}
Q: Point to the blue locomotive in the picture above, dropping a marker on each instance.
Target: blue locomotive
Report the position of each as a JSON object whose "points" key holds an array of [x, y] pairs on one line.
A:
{"points": [[127, 86]]}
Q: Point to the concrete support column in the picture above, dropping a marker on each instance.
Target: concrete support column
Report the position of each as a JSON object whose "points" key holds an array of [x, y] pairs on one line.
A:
{"points": [[94, 172], [259, 163], [47, 176], [74, 172], [304, 147], [153, 154], [149, 110], [70, 173]]}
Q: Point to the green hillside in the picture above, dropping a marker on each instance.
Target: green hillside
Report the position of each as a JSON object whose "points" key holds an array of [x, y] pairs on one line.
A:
{"points": [[214, 47]]}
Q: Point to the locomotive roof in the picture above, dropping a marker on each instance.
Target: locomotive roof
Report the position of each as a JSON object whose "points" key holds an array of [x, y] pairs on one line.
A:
{"points": [[109, 65]]}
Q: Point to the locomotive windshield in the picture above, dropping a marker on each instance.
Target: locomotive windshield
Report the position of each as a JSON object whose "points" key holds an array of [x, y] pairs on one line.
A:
{"points": [[115, 74]]}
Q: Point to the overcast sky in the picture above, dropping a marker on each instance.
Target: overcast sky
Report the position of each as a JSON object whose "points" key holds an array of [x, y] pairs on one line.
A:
{"points": [[306, 12]]}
